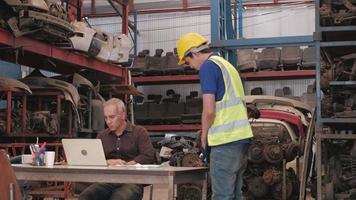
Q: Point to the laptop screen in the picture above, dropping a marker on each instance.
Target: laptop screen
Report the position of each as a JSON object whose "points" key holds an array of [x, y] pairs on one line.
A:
{"points": [[85, 152]]}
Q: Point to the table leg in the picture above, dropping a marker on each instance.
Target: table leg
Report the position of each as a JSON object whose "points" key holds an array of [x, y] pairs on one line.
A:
{"points": [[205, 187], [170, 188]]}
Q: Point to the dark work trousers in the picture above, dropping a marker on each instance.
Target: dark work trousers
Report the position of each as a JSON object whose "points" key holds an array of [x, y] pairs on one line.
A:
{"points": [[112, 191]]}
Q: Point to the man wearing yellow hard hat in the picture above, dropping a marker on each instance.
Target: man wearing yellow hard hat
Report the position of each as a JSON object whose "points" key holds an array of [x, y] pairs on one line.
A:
{"points": [[225, 126]]}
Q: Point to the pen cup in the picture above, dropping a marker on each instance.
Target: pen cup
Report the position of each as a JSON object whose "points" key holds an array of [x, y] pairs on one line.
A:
{"points": [[38, 159]]}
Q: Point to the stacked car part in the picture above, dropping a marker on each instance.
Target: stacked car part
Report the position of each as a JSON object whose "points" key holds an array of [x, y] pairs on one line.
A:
{"points": [[48, 21], [286, 58], [169, 110], [45, 106], [158, 65], [279, 135], [336, 108]]}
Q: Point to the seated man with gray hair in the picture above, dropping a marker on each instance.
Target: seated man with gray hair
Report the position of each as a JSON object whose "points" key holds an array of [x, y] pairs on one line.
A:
{"points": [[124, 144]]}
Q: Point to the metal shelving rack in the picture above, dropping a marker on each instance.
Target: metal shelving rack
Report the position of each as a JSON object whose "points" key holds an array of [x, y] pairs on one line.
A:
{"points": [[38, 54], [227, 37], [35, 53], [321, 123], [224, 37], [187, 79]]}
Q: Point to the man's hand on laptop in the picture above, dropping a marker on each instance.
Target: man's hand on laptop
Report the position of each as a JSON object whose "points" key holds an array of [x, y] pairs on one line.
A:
{"points": [[115, 162]]}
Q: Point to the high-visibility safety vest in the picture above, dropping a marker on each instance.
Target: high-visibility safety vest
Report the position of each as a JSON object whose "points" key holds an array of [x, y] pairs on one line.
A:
{"points": [[231, 122]]}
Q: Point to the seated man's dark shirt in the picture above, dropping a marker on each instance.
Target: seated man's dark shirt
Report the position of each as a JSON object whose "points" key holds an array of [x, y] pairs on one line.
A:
{"points": [[133, 144]]}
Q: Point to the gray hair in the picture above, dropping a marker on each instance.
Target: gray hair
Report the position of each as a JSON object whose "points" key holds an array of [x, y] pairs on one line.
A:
{"points": [[115, 101]]}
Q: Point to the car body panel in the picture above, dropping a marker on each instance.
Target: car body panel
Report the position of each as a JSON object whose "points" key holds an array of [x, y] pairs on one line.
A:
{"points": [[286, 109], [273, 100], [121, 49], [291, 132], [39, 4], [83, 36], [70, 92], [8, 83]]}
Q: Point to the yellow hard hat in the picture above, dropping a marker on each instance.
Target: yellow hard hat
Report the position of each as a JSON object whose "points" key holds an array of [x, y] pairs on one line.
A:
{"points": [[186, 42]]}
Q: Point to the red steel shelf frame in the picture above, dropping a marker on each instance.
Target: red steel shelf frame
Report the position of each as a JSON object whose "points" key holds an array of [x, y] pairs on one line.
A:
{"points": [[45, 50], [261, 75], [156, 80], [176, 127], [277, 75]]}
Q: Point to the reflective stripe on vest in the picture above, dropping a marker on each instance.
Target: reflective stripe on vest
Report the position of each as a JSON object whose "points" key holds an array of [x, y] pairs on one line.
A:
{"points": [[229, 126], [231, 106]]}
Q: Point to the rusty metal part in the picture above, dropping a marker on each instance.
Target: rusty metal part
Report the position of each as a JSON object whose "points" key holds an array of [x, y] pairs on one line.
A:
{"points": [[189, 160], [277, 190], [272, 176], [257, 187], [9, 83], [256, 153], [43, 20], [291, 150], [273, 154], [44, 122], [337, 12], [190, 192], [58, 11]]}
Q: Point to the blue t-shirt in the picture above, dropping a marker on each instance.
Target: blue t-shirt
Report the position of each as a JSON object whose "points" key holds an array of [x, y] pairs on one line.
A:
{"points": [[212, 82]]}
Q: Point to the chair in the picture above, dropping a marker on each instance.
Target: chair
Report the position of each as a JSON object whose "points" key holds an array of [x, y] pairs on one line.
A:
{"points": [[309, 58], [268, 59], [8, 181], [291, 57], [246, 59]]}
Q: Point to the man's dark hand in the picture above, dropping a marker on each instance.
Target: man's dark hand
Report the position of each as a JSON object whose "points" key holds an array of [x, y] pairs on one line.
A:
{"points": [[253, 112]]}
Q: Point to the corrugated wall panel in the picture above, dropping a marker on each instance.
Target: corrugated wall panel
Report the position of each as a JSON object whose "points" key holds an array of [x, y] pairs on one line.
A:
{"points": [[279, 21], [158, 31], [107, 24], [161, 31]]}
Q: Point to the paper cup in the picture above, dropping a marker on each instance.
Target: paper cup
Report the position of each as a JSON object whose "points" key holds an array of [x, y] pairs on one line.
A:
{"points": [[49, 158], [26, 159]]}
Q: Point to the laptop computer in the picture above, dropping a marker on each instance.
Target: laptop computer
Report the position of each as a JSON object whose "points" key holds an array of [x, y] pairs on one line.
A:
{"points": [[84, 152]]}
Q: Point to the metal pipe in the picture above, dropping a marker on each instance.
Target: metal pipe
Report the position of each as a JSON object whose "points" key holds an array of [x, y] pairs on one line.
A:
{"points": [[8, 112], [201, 8], [135, 33], [129, 23], [240, 11], [235, 17], [93, 9]]}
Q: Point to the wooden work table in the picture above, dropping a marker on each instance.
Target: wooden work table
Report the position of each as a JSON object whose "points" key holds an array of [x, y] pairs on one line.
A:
{"points": [[117, 174]]}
